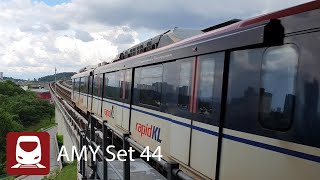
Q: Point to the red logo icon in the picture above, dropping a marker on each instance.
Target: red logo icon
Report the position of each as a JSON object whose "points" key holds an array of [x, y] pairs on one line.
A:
{"points": [[28, 153]]}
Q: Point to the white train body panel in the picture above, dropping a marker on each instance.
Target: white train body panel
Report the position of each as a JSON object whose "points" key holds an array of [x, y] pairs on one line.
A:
{"points": [[149, 130], [116, 113], [75, 97], [89, 103], [96, 106], [204, 145], [125, 117], [180, 139], [241, 154], [83, 102]]}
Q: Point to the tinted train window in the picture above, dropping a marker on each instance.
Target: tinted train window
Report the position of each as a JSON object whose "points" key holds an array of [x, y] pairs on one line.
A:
{"points": [[128, 80], [210, 72], [73, 84], [243, 90], [206, 83], [177, 87], [184, 86], [111, 89], [148, 85], [83, 85], [90, 85], [277, 91], [76, 85], [120, 79], [100, 85], [96, 82]]}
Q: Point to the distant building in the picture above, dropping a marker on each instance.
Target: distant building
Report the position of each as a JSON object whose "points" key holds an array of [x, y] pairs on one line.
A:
{"points": [[24, 87], [1, 75], [42, 93]]}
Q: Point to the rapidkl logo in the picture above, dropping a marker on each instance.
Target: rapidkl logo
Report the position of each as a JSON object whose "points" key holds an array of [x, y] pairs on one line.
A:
{"points": [[28, 153], [149, 131]]}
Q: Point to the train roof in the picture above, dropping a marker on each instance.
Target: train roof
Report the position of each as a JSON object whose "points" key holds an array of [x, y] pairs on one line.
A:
{"points": [[164, 39], [235, 25], [82, 74]]}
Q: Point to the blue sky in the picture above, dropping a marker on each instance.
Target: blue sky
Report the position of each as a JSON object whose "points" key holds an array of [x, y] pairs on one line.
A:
{"points": [[53, 2]]}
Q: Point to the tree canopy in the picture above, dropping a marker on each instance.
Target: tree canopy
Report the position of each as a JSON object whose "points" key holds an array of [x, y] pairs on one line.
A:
{"points": [[18, 110], [59, 76]]}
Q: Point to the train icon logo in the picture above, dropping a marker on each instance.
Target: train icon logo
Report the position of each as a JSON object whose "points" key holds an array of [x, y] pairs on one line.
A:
{"points": [[28, 153]]}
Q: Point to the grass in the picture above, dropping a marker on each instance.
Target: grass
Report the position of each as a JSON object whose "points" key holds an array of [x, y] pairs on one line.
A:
{"points": [[6, 178], [60, 140], [69, 171], [43, 124]]}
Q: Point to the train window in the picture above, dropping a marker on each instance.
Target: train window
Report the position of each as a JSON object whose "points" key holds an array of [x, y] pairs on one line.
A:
{"points": [[184, 84], [206, 84], [148, 85], [120, 79], [100, 85], [277, 91], [243, 90], [83, 85], [80, 84], [76, 85], [86, 84], [96, 82], [90, 85], [128, 80], [208, 90], [111, 89], [73, 84]]}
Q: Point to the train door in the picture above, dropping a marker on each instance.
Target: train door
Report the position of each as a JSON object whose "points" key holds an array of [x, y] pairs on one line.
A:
{"points": [[126, 98], [100, 94], [150, 126], [97, 94], [206, 113], [85, 94], [90, 94], [177, 96], [120, 105], [77, 91], [271, 130]]}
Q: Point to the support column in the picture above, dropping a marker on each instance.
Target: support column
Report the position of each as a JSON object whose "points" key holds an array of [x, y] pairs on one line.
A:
{"points": [[126, 163], [105, 144], [92, 139], [170, 167], [83, 168]]}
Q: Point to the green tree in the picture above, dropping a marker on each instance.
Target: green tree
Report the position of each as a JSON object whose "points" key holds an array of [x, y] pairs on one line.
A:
{"points": [[29, 108], [58, 76], [7, 125], [9, 88], [19, 109]]}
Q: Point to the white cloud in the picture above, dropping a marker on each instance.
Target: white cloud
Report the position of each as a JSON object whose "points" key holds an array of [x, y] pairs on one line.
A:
{"points": [[35, 38]]}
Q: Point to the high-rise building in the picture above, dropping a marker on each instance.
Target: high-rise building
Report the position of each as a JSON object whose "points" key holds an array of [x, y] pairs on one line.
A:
{"points": [[1, 75]]}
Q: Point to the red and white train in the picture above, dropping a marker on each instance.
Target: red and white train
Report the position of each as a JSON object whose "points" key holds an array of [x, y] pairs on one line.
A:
{"points": [[240, 101]]}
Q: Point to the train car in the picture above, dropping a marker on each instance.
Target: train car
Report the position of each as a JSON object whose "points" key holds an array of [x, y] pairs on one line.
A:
{"points": [[80, 95], [241, 101]]}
